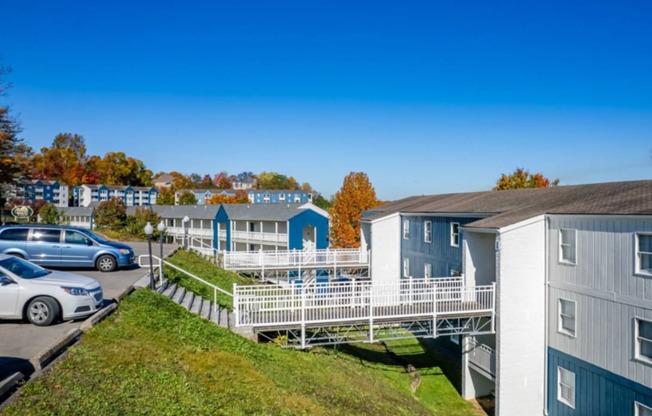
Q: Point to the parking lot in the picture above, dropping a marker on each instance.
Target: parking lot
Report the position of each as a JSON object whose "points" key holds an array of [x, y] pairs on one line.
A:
{"points": [[20, 341]]}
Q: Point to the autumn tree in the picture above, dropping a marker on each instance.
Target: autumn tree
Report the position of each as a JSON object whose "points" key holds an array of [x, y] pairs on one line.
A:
{"points": [[64, 161], [223, 181], [274, 180], [522, 178], [111, 214], [116, 168], [180, 181], [239, 197], [165, 197], [206, 182], [187, 198], [356, 195]]}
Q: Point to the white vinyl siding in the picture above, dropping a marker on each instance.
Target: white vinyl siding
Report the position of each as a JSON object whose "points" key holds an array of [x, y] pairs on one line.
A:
{"points": [[568, 246], [644, 254], [455, 234], [643, 332], [566, 387], [567, 312], [406, 229], [427, 232], [406, 267], [642, 410]]}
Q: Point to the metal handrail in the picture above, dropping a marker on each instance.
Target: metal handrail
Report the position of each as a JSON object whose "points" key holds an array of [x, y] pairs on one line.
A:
{"points": [[199, 279]]}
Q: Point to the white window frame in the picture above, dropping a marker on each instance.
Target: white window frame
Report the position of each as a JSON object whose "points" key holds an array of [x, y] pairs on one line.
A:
{"points": [[570, 402], [562, 244], [639, 408], [639, 341], [455, 236], [561, 316], [639, 254], [427, 231], [406, 229], [406, 267], [427, 270]]}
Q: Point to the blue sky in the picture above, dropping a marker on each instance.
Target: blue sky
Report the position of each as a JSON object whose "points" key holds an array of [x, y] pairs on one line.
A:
{"points": [[424, 96]]}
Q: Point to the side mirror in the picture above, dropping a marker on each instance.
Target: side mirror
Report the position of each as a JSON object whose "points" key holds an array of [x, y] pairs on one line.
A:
{"points": [[5, 280]]}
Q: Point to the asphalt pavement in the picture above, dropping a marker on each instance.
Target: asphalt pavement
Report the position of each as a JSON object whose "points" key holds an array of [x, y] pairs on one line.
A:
{"points": [[21, 341]]}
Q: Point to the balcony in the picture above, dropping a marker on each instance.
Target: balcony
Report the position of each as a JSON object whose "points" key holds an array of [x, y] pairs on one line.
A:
{"points": [[483, 358], [258, 237], [296, 259]]}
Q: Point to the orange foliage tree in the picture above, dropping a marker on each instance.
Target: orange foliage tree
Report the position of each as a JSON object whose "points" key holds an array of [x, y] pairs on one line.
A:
{"points": [[522, 178], [240, 197], [355, 196]]}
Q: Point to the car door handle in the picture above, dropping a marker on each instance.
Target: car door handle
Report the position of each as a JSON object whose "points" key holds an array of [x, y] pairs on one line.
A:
{"points": [[56, 246], [66, 247]]}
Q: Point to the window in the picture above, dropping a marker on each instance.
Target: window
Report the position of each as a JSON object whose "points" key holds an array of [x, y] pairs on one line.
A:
{"points": [[455, 234], [642, 410], [566, 387], [455, 339], [406, 267], [644, 254], [643, 332], [406, 229], [76, 238], [567, 246], [427, 232], [427, 270], [15, 234], [567, 310], [46, 236]]}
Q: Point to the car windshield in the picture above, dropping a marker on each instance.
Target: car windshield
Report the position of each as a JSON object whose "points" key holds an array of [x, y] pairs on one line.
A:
{"points": [[22, 268], [94, 236]]}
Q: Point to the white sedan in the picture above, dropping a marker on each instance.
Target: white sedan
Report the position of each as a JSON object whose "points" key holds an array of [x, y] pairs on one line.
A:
{"points": [[42, 296]]}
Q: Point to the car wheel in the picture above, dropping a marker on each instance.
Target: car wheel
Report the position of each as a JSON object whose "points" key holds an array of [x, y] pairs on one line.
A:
{"points": [[42, 311], [106, 263]]}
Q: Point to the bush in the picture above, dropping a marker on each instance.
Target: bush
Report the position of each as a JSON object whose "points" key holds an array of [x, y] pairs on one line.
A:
{"points": [[111, 214], [136, 223], [50, 214]]}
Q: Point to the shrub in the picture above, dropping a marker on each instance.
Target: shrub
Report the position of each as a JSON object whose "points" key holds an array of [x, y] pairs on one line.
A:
{"points": [[111, 214]]}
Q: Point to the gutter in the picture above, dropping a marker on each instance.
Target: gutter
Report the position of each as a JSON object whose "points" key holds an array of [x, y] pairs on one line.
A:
{"points": [[546, 288]]}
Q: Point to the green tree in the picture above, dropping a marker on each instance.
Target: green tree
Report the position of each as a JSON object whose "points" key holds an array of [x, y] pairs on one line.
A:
{"points": [[50, 214], [187, 198], [136, 223], [274, 180], [111, 214], [356, 195], [522, 178], [319, 200]]}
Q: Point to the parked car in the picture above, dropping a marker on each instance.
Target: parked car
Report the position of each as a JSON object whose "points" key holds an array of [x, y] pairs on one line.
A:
{"points": [[42, 296], [63, 246]]}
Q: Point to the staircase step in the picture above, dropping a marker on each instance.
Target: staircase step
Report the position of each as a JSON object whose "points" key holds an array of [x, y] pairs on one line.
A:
{"points": [[188, 300], [161, 288], [179, 294], [170, 290], [196, 305], [206, 309]]}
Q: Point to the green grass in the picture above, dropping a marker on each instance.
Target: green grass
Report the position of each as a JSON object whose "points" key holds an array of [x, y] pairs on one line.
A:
{"points": [[206, 270], [153, 357]]}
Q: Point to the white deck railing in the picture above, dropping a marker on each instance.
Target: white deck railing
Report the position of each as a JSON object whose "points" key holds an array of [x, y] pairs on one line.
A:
{"points": [[483, 357], [327, 258], [259, 236], [341, 302]]}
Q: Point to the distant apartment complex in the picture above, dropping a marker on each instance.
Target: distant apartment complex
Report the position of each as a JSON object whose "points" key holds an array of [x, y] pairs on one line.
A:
{"points": [[255, 196], [132, 196], [53, 192]]}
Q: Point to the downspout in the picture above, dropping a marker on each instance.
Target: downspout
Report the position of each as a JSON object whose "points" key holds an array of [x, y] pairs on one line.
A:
{"points": [[545, 317]]}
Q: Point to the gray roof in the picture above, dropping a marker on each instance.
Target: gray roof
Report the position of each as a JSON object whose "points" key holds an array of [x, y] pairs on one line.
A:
{"points": [[265, 212], [78, 211], [192, 211], [497, 209]]}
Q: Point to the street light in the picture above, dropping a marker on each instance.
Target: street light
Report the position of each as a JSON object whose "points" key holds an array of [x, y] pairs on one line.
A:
{"points": [[149, 230], [186, 220], [161, 230]]}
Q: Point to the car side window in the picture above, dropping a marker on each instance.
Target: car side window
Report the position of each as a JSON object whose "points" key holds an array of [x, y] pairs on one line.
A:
{"points": [[14, 234], [73, 237], [46, 236]]}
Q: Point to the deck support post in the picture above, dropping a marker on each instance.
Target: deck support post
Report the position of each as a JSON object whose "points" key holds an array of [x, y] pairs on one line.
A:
{"points": [[303, 316], [493, 307], [371, 313]]}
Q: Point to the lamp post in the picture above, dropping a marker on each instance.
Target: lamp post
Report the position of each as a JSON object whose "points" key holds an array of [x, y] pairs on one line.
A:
{"points": [[186, 220], [161, 230], [149, 230]]}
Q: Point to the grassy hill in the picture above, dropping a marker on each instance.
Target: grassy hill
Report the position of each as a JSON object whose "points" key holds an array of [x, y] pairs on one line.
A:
{"points": [[153, 357]]}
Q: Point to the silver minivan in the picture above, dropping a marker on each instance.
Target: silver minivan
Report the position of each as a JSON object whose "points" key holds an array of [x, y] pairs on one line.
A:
{"points": [[63, 246]]}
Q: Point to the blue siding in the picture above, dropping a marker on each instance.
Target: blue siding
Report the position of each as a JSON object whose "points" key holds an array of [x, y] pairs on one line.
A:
{"points": [[308, 218], [223, 218], [438, 252], [597, 391]]}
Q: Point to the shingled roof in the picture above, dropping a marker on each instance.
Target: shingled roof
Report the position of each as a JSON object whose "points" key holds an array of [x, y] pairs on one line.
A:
{"points": [[503, 208]]}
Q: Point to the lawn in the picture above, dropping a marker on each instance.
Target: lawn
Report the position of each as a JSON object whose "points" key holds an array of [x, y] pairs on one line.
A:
{"points": [[206, 270], [153, 357]]}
